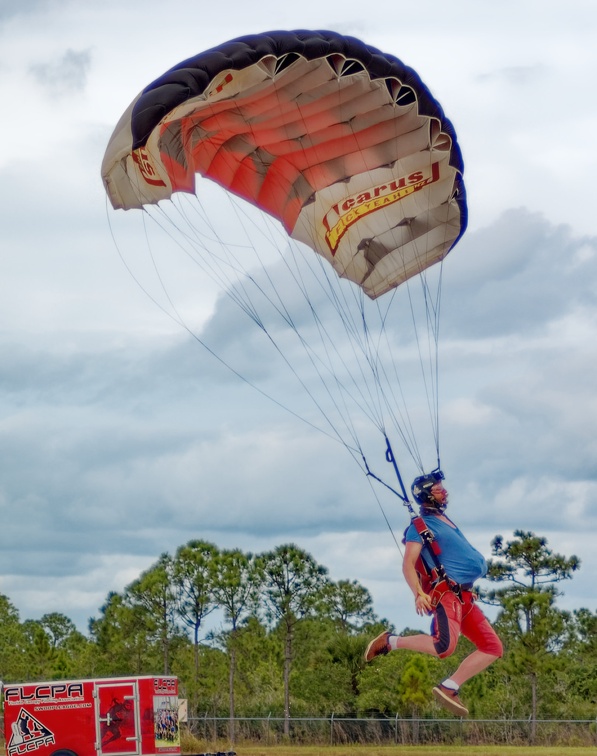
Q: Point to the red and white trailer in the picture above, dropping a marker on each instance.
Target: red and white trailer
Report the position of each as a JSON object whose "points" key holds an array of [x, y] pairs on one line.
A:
{"points": [[118, 716]]}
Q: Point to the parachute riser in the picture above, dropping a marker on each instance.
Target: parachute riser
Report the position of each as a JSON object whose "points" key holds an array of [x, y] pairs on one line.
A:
{"points": [[402, 495], [392, 459]]}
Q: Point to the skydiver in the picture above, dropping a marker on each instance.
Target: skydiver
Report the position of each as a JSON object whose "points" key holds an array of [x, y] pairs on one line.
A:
{"points": [[453, 609]]}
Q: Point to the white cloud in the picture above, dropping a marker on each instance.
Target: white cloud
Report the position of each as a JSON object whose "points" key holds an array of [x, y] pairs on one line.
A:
{"points": [[64, 76], [120, 438]]}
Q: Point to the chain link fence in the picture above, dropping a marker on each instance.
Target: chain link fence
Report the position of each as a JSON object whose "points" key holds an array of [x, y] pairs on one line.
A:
{"points": [[334, 730]]}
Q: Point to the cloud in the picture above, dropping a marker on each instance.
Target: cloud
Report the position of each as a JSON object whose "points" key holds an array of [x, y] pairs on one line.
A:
{"points": [[121, 437], [518, 276], [11, 8], [142, 426], [66, 75], [516, 75]]}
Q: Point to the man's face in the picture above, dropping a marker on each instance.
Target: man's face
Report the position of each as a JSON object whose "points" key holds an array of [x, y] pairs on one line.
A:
{"points": [[440, 494]]}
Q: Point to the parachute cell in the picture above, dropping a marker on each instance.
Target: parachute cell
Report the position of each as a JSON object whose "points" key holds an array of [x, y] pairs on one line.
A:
{"points": [[341, 143]]}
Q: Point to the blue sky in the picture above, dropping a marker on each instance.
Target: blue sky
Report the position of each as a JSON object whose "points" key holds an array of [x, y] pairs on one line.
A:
{"points": [[120, 438]]}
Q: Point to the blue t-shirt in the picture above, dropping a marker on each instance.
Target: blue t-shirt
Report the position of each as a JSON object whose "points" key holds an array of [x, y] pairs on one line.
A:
{"points": [[463, 563]]}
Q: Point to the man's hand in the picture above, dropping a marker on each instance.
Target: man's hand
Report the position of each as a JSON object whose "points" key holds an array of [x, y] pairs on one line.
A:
{"points": [[422, 600], [423, 603]]}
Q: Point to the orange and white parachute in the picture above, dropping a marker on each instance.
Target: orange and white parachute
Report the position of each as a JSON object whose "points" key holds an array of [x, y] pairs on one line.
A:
{"points": [[340, 142]]}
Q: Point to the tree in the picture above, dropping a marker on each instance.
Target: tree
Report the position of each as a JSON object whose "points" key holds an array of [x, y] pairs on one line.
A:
{"points": [[155, 593], [395, 683], [42, 655], [292, 588], [526, 562], [348, 604], [321, 673], [58, 627], [70, 648], [13, 642], [236, 590], [580, 659], [123, 638], [194, 571], [258, 680], [348, 651], [415, 689], [530, 624]]}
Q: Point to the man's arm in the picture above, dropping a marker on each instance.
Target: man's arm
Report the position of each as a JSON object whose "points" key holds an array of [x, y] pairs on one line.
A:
{"points": [[411, 554]]}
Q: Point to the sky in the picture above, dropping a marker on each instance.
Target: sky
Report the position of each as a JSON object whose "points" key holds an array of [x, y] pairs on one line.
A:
{"points": [[121, 438]]}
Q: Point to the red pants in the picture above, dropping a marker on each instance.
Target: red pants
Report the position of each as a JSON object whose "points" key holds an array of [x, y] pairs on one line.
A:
{"points": [[453, 618]]}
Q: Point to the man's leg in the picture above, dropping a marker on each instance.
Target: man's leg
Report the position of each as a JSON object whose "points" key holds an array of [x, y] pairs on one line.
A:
{"points": [[423, 643], [475, 626], [441, 642], [472, 665], [386, 642], [469, 667]]}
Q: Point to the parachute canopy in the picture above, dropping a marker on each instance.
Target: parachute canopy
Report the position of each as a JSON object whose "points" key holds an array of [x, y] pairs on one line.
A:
{"points": [[341, 143]]}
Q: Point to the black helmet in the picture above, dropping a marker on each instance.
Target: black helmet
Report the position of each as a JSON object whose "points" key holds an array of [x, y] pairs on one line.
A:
{"points": [[421, 487]]}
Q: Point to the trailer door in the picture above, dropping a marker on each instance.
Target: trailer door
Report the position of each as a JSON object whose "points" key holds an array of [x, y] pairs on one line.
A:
{"points": [[118, 726]]}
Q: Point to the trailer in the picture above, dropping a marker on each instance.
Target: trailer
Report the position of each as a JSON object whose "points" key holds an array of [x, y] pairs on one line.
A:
{"points": [[118, 716]]}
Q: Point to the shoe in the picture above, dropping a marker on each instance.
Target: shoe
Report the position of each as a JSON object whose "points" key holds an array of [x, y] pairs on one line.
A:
{"points": [[378, 646], [449, 700]]}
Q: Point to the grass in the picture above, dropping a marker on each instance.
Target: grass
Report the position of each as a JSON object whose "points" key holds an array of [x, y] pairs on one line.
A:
{"points": [[192, 745], [440, 750]]}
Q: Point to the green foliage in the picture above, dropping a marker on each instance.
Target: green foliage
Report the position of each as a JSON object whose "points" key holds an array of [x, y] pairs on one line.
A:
{"points": [[321, 679], [415, 686], [348, 604], [292, 583], [292, 587], [193, 573], [259, 688], [399, 683], [533, 629], [527, 563], [14, 646], [153, 596], [291, 641], [124, 638], [43, 657]]}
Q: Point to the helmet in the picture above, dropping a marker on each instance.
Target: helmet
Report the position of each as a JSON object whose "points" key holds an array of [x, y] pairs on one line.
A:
{"points": [[421, 487]]}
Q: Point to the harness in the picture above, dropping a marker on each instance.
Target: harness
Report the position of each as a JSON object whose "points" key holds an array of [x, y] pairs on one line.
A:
{"points": [[434, 580]]}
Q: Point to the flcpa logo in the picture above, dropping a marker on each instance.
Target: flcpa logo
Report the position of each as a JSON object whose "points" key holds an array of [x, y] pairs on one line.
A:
{"points": [[164, 685], [142, 159], [28, 734]]}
